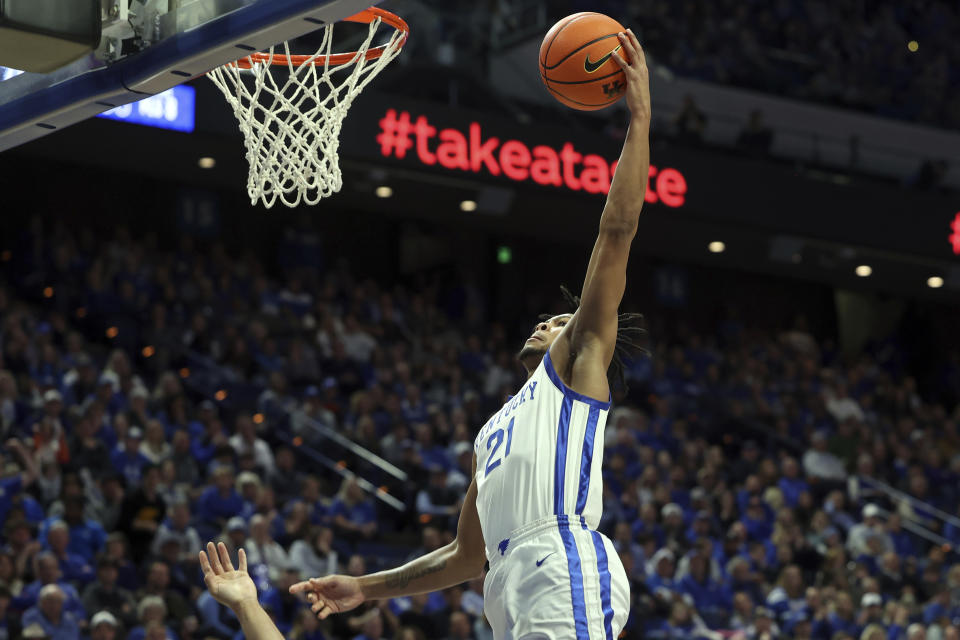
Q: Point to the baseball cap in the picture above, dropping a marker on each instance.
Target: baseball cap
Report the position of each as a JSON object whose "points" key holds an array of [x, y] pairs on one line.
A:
{"points": [[871, 600], [871, 511], [109, 377], [139, 392], [103, 617], [671, 508], [135, 433], [461, 448], [236, 523], [52, 395]]}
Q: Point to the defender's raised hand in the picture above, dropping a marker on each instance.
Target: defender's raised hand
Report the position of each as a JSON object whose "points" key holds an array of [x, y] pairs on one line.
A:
{"points": [[229, 586], [638, 78]]}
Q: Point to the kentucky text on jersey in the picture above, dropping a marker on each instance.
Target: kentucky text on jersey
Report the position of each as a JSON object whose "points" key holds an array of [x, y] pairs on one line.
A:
{"points": [[512, 404]]}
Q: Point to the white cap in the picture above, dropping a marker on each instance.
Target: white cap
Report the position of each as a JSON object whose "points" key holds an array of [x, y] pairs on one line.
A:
{"points": [[871, 511], [52, 395], [871, 600], [101, 617], [671, 508]]}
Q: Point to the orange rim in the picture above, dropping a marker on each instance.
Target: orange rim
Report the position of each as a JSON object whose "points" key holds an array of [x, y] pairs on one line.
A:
{"points": [[364, 17]]}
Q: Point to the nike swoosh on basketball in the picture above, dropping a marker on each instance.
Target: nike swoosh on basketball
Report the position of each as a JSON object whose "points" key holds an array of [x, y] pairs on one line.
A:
{"points": [[540, 562], [590, 67]]}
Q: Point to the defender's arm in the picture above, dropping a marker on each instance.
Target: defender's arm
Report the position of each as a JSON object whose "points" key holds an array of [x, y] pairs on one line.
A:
{"points": [[594, 326]]}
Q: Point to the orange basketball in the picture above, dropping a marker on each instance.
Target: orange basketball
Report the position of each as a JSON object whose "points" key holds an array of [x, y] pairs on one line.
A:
{"points": [[576, 64]]}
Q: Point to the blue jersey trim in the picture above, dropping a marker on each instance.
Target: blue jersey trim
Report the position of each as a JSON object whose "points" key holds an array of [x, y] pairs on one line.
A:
{"points": [[603, 568], [576, 579], [567, 391], [587, 460], [560, 461]]}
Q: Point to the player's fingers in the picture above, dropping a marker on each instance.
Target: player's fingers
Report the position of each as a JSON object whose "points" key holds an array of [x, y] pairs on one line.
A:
{"points": [[620, 61], [214, 559], [627, 47], [225, 557], [300, 586], [641, 57], [242, 557], [205, 564]]}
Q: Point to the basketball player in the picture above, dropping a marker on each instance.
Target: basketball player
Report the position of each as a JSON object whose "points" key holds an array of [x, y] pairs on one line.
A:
{"points": [[536, 496]]}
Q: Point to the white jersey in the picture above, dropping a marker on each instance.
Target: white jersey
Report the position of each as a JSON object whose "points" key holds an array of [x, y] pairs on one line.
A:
{"points": [[540, 456]]}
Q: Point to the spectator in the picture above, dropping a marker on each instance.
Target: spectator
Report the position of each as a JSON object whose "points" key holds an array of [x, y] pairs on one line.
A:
{"points": [[142, 513], [219, 502], [104, 595], [820, 464], [872, 525], [755, 139], [245, 440], [103, 626], [176, 528], [151, 613], [261, 548], [157, 584], [50, 614], [690, 123], [129, 462], [74, 568], [155, 447], [315, 556], [353, 514]]}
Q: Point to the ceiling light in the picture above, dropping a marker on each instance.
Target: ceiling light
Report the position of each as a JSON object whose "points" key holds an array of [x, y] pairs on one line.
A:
{"points": [[384, 191], [864, 270], [716, 247], [934, 282], [206, 162], [468, 205], [912, 46]]}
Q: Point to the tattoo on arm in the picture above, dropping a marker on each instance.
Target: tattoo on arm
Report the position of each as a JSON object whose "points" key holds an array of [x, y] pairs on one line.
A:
{"points": [[403, 577]]}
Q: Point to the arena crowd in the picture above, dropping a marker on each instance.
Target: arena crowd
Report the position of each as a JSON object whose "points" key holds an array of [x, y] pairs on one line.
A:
{"points": [[757, 484]]}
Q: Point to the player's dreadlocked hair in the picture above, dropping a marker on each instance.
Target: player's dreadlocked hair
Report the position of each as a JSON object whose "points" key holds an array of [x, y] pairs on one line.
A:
{"points": [[630, 331]]}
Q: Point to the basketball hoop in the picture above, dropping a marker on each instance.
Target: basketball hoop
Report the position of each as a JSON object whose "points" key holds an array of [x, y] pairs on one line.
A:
{"points": [[291, 129]]}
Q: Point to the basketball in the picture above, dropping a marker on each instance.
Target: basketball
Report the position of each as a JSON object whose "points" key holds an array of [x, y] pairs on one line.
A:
{"points": [[576, 64]]}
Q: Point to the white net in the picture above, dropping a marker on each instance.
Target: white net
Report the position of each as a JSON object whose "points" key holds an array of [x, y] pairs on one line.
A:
{"points": [[291, 129]]}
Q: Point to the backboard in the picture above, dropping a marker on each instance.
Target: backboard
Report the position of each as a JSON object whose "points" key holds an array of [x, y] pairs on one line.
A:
{"points": [[149, 47]]}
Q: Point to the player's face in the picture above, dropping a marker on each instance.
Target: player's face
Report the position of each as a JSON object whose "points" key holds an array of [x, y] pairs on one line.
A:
{"points": [[543, 335]]}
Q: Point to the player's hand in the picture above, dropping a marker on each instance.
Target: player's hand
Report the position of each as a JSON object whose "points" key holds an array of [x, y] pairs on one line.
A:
{"points": [[638, 78], [332, 594], [229, 586]]}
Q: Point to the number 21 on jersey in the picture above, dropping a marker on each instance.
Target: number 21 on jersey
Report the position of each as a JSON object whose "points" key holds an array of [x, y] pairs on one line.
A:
{"points": [[493, 446]]}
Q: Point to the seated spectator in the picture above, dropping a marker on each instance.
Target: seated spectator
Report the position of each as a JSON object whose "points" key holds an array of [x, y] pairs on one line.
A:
{"points": [[660, 572], [75, 568], [155, 447], [315, 555], [872, 527], [261, 548], [157, 583], [820, 464], [788, 596], [437, 500], [711, 599], [129, 461], [50, 613], [791, 484], [764, 625], [185, 465], [103, 626], [105, 595], [755, 139], [219, 502], [841, 618], [690, 123], [245, 440], [142, 513], [285, 479], [47, 569], [176, 527], [151, 612], [354, 515], [218, 621]]}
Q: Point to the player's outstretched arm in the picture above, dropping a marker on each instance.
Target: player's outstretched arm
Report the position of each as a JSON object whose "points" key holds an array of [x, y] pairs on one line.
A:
{"points": [[594, 326], [455, 563], [235, 589]]}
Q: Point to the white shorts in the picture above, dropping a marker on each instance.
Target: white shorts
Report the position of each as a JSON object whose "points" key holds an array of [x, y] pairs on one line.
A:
{"points": [[556, 580]]}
